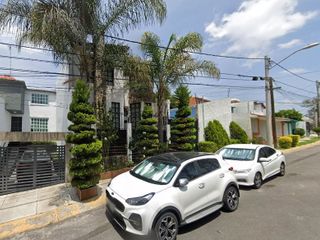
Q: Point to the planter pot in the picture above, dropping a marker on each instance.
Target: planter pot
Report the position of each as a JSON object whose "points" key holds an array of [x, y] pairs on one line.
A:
{"points": [[88, 193], [113, 173]]}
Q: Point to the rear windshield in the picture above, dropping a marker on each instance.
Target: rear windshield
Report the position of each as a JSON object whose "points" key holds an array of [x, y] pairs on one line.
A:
{"points": [[238, 154], [158, 172]]}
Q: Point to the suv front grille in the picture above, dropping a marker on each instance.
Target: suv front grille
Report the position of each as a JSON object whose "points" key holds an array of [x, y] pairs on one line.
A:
{"points": [[115, 201]]}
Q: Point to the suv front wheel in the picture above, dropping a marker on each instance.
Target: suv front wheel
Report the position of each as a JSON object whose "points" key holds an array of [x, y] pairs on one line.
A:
{"points": [[166, 227], [231, 199]]}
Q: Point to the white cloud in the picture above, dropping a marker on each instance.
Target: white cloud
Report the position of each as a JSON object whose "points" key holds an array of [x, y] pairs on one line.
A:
{"points": [[290, 44], [256, 23]]}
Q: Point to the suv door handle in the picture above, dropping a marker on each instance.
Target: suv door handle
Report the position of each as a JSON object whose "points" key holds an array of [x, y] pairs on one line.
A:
{"points": [[201, 185], [221, 175]]}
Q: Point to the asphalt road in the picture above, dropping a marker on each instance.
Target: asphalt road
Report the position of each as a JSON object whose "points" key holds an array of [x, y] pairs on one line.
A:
{"points": [[285, 208]]}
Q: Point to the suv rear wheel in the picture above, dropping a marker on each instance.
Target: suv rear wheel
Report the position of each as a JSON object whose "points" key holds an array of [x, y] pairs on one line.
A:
{"points": [[231, 199], [166, 227]]}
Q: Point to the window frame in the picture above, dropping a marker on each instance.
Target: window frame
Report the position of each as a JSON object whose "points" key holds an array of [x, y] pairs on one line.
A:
{"points": [[110, 77], [14, 124], [39, 98], [116, 112], [39, 127]]}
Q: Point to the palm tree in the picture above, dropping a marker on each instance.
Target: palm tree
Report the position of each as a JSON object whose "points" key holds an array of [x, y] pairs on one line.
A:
{"points": [[65, 25], [171, 65]]}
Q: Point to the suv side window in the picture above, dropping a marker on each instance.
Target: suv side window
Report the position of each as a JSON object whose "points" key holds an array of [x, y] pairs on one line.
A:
{"points": [[189, 172], [208, 165]]}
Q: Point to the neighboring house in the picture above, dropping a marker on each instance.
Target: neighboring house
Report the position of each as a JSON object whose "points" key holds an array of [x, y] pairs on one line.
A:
{"points": [[196, 100], [251, 116], [25, 109]]}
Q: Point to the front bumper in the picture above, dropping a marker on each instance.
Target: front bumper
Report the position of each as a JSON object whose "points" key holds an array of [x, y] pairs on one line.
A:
{"points": [[133, 219], [244, 179]]}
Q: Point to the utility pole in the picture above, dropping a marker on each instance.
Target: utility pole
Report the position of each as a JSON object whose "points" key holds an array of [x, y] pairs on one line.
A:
{"points": [[267, 63], [318, 103], [273, 117]]}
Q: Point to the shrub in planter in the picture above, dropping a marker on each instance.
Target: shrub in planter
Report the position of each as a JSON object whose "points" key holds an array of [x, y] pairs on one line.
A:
{"points": [[295, 140], [285, 142], [86, 162], [237, 133], [317, 130], [183, 131], [145, 142], [299, 131], [214, 132], [207, 146]]}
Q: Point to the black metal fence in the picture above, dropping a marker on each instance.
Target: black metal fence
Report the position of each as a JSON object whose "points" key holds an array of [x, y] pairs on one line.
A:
{"points": [[30, 167]]}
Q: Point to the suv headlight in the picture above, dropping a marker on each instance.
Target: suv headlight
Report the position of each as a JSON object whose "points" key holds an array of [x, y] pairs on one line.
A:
{"points": [[243, 171], [137, 201]]}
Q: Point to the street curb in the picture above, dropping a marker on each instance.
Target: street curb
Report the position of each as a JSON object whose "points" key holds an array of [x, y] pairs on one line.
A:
{"points": [[296, 149], [9, 229]]}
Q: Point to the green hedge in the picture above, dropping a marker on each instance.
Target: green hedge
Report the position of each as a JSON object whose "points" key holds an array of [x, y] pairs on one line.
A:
{"points": [[215, 132], [207, 146], [285, 142], [295, 140], [299, 131], [236, 132]]}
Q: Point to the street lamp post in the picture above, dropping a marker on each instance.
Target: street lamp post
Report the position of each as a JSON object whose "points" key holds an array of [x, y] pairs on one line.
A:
{"points": [[270, 118]]}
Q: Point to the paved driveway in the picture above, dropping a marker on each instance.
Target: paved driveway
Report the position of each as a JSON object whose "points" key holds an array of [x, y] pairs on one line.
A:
{"points": [[284, 208]]}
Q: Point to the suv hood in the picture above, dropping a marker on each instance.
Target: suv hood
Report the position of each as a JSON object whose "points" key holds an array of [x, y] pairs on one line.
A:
{"points": [[240, 165], [128, 186]]}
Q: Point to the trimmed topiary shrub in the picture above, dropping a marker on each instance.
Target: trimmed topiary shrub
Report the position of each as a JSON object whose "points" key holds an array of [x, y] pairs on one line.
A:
{"points": [[146, 142], [299, 131], [207, 146], [214, 132], [86, 162], [234, 141], [285, 142], [183, 131], [237, 133], [295, 140]]}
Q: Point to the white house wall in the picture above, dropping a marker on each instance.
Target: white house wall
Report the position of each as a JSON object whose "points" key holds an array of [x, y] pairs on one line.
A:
{"points": [[241, 115], [216, 110]]}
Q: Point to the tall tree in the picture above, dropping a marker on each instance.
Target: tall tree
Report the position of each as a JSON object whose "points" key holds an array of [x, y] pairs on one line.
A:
{"points": [[171, 65], [65, 25], [183, 126], [290, 113]]}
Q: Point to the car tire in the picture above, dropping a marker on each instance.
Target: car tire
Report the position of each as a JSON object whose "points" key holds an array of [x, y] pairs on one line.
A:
{"points": [[166, 227], [257, 181], [282, 170], [230, 199]]}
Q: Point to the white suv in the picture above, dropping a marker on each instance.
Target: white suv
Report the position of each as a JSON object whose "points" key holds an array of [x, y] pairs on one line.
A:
{"points": [[169, 190]]}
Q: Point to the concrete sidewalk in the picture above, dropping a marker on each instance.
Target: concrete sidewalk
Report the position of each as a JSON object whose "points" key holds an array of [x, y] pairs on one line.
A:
{"points": [[37, 208]]}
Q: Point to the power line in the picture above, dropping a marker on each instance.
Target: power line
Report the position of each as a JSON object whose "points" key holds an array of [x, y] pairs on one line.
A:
{"points": [[297, 75], [301, 89]]}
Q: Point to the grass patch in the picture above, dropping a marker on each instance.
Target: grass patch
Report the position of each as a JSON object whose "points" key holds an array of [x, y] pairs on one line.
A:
{"points": [[311, 140]]}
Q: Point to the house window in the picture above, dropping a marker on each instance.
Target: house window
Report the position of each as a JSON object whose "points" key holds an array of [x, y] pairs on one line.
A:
{"points": [[115, 109], [39, 98], [16, 124], [39, 124], [135, 114], [233, 109], [110, 76]]}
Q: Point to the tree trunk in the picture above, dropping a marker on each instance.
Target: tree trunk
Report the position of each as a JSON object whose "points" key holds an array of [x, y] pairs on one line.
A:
{"points": [[160, 105], [100, 91]]}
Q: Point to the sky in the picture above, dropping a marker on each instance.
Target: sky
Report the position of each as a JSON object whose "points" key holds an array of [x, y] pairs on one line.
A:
{"points": [[249, 28]]}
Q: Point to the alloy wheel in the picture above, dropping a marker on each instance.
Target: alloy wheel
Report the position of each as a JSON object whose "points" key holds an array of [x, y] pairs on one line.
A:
{"points": [[168, 228], [257, 180], [282, 169], [232, 198]]}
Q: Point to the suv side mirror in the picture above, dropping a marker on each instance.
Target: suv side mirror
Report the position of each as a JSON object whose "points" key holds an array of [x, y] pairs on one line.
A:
{"points": [[262, 159], [183, 182]]}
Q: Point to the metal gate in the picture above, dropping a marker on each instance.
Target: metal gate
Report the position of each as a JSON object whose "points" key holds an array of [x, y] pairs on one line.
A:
{"points": [[30, 167]]}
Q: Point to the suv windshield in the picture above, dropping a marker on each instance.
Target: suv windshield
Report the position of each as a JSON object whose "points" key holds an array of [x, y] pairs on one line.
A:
{"points": [[159, 172], [239, 154]]}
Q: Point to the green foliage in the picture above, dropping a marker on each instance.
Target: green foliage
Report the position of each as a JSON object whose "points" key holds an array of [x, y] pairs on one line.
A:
{"points": [[285, 142], [215, 132], [236, 132], [316, 130], [299, 131], [86, 162], [258, 140], [145, 142], [182, 126], [290, 113], [207, 146], [234, 141], [295, 140]]}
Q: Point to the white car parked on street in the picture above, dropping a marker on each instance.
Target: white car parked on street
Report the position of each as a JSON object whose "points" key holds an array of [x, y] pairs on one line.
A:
{"points": [[166, 191], [253, 163]]}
